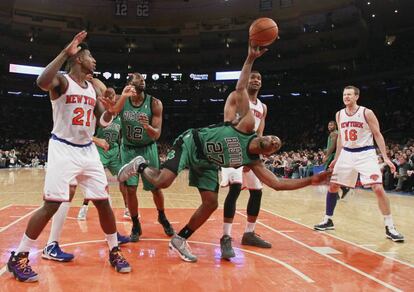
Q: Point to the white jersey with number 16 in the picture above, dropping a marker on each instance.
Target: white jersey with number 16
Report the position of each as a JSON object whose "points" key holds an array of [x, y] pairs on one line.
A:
{"points": [[355, 131]]}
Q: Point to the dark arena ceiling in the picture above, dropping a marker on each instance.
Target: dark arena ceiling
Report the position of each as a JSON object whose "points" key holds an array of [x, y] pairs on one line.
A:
{"points": [[202, 34]]}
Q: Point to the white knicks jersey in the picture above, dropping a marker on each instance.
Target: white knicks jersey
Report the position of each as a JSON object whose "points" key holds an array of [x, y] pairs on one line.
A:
{"points": [[257, 110], [73, 113], [355, 131]]}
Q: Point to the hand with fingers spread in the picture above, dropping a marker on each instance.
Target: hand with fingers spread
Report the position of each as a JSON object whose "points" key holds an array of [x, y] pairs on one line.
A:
{"points": [[73, 47]]}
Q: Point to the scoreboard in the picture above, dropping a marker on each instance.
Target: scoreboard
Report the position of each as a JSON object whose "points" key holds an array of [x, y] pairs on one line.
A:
{"points": [[139, 8]]}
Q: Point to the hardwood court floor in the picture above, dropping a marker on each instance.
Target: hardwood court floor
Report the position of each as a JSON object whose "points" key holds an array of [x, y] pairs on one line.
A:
{"points": [[354, 257]]}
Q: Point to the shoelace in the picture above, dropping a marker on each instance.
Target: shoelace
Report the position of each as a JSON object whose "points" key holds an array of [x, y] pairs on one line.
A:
{"points": [[186, 246], [119, 258], [57, 248], [23, 265], [227, 242], [394, 231]]}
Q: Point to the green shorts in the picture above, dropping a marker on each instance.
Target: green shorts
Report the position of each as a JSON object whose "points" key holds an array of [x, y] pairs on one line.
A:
{"points": [[110, 159], [149, 152], [203, 174]]}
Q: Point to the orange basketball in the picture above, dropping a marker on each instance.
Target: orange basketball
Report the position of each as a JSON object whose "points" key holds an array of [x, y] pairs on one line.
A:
{"points": [[263, 32]]}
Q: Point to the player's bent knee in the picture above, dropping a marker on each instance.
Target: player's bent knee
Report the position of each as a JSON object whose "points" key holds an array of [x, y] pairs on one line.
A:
{"points": [[211, 204]]}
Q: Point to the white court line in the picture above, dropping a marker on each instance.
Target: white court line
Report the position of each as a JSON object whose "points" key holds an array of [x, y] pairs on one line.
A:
{"points": [[18, 220], [341, 239], [287, 266], [367, 245], [330, 257], [5, 207]]}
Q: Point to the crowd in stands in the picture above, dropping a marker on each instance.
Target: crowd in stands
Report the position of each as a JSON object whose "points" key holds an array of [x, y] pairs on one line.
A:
{"points": [[22, 153], [303, 163]]}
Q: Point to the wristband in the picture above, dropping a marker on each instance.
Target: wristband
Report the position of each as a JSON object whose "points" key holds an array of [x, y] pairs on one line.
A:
{"points": [[104, 123]]}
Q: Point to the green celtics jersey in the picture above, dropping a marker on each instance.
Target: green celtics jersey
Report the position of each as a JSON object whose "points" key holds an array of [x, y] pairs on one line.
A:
{"points": [[111, 132], [224, 145], [133, 134], [332, 155], [330, 142]]}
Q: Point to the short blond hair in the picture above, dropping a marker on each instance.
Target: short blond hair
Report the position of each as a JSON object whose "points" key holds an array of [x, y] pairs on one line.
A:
{"points": [[356, 89]]}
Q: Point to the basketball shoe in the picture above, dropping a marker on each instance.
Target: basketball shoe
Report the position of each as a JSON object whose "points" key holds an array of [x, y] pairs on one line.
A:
{"points": [[118, 261], [126, 213], [227, 251], [53, 252], [131, 168], [122, 239], [136, 232], [251, 238], [168, 229], [83, 211], [393, 234], [18, 265], [181, 247], [325, 225]]}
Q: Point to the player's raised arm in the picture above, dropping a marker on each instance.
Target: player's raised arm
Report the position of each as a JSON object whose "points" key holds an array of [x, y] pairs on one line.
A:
{"points": [[49, 79], [128, 91]]}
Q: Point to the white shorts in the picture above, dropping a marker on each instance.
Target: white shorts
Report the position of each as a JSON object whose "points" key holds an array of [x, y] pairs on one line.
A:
{"points": [[350, 164], [247, 179], [68, 165]]}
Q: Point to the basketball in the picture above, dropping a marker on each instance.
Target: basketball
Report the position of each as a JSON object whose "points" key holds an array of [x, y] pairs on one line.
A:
{"points": [[263, 32]]}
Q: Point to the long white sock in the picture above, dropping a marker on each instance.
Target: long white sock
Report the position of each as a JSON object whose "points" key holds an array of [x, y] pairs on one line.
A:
{"points": [[25, 244], [112, 240], [57, 222], [250, 227], [388, 220], [227, 228]]}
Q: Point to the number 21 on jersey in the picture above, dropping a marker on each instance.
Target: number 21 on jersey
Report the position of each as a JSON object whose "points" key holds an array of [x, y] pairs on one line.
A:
{"points": [[78, 119]]}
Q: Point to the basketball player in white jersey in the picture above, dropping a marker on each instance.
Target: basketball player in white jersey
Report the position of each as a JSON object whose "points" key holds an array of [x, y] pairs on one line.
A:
{"points": [[243, 178], [355, 154], [52, 250], [71, 155]]}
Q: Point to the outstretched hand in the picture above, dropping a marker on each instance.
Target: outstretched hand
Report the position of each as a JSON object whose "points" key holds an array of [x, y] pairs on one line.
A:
{"points": [[73, 47], [256, 51], [321, 178]]}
